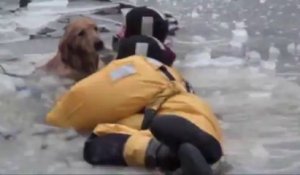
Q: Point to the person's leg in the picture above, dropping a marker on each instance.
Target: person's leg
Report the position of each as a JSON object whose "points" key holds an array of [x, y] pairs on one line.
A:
{"points": [[195, 149], [119, 145], [174, 131], [191, 161]]}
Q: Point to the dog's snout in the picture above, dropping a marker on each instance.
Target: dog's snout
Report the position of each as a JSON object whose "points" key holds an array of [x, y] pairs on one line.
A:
{"points": [[99, 45]]}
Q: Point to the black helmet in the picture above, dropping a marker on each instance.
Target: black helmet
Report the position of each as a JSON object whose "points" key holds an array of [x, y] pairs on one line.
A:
{"points": [[141, 45], [146, 21]]}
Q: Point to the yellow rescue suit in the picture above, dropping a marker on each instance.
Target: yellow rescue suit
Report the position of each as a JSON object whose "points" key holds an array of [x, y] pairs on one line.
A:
{"points": [[122, 88], [185, 105], [114, 99]]}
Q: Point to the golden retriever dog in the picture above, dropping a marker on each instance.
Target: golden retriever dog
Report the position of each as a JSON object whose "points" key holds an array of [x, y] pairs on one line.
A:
{"points": [[78, 51]]}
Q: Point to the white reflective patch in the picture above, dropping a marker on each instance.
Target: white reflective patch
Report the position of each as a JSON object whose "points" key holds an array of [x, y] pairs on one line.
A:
{"points": [[147, 25], [141, 49], [122, 72]]}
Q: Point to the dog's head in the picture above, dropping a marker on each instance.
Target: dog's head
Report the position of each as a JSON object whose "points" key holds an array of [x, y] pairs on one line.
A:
{"points": [[80, 45]]}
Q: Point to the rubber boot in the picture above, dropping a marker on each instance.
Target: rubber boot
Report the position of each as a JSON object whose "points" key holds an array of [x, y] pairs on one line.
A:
{"points": [[160, 156], [192, 161]]}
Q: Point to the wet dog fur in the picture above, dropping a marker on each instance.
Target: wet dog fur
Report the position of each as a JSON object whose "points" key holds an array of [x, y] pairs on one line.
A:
{"points": [[78, 51]]}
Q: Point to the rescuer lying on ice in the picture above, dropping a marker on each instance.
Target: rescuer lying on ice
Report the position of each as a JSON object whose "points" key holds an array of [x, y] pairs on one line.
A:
{"points": [[141, 114]]}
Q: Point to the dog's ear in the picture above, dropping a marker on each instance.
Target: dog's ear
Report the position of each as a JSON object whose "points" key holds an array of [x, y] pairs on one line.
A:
{"points": [[64, 50], [68, 56]]}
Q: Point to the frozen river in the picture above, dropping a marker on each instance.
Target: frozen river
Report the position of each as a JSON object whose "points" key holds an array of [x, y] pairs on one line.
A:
{"points": [[241, 55]]}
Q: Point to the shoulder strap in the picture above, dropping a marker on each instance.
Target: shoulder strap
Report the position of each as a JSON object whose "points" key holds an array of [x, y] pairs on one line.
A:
{"points": [[165, 71]]}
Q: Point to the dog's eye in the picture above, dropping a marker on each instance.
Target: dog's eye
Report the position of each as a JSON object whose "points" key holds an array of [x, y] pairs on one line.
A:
{"points": [[96, 29], [81, 33]]}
